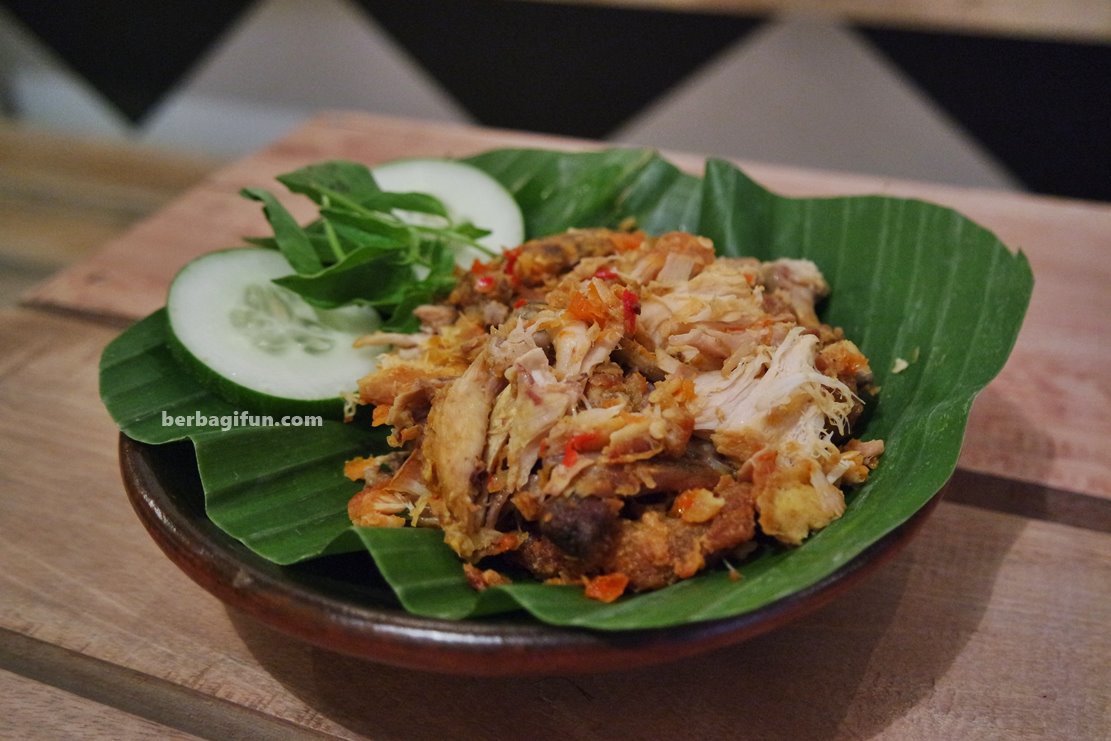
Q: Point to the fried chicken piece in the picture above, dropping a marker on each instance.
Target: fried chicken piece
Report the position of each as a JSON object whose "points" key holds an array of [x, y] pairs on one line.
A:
{"points": [[454, 439], [619, 409], [652, 551]]}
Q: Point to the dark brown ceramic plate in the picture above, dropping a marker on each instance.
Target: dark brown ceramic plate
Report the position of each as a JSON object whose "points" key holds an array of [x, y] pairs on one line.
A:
{"points": [[340, 603]]}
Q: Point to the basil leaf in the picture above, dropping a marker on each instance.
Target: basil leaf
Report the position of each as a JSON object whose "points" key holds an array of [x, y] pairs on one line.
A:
{"points": [[470, 231], [439, 259], [415, 202], [290, 238], [368, 274], [383, 225], [338, 179]]}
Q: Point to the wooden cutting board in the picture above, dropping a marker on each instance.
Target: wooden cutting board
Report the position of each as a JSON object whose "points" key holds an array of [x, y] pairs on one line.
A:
{"points": [[1026, 426], [992, 623]]}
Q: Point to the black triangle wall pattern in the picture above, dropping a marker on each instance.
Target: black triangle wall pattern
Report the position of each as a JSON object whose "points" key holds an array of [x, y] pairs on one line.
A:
{"points": [[559, 68], [1042, 108], [131, 51]]}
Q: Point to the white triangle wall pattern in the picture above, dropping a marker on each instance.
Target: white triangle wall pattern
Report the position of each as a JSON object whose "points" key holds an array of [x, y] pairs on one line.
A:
{"points": [[40, 89], [281, 63], [813, 95]]}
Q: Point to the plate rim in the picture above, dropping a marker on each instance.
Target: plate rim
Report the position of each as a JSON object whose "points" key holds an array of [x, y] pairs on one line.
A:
{"points": [[473, 646]]}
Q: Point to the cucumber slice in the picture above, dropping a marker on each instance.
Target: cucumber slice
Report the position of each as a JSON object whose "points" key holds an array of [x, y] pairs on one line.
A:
{"points": [[261, 345], [469, 195]]}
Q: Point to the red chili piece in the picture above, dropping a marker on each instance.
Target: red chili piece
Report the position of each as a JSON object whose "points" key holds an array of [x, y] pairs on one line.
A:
{"points": [[511, 265], [605, 274], [576, 443], [485, 284], [631, 304]]}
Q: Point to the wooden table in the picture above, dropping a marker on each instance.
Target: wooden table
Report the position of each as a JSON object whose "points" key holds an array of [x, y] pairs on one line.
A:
{"points": [[992, 623], [1059, 20], [62, 196]]}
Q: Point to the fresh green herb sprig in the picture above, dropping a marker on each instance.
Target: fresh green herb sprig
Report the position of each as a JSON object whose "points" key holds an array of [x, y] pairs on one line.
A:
{"points": [[392, 251]]}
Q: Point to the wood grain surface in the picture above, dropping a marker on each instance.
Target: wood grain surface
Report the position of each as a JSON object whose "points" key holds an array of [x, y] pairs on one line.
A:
{"points": [[976, 604], [32, 710], [1025, 426], [60, 197], [1072, 20], [992, 623]]}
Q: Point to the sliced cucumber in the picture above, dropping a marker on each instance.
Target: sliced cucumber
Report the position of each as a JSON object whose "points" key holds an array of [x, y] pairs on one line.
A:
{"points": [[469, 195], [261, 345]]}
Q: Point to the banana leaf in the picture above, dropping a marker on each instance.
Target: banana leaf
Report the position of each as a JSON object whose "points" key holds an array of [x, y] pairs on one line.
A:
{"points": [[151, 397], [911, 282]]}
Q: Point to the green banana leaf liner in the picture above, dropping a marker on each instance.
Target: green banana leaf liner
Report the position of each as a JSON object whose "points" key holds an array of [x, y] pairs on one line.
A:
{"points": [[911, 281]]}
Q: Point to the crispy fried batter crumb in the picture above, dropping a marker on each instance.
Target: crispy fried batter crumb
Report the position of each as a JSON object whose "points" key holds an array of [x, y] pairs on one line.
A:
{"points": [[482, 579], [617, 410]]}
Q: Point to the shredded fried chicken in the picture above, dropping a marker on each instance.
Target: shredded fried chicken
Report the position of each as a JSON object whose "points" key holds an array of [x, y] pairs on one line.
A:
{"points": [[617, 410]]}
